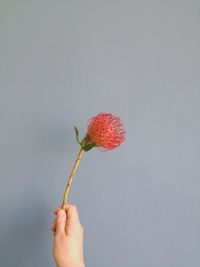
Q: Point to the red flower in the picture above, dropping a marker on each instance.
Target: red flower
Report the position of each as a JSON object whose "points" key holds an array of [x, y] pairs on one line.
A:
{"points": [[106, 131]]}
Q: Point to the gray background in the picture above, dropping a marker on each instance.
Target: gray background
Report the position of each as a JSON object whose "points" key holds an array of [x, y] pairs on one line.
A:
{"points": [[62, 62]]}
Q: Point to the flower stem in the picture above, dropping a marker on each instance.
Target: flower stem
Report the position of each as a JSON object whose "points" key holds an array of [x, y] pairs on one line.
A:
{"points": [[71, 177]]}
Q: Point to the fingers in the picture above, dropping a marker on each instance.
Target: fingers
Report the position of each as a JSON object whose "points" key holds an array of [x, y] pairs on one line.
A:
{"points": [[56, 211], [65, 208], [53, 226], [72, 214], [73, 225], [67, 220], [60, 222]]}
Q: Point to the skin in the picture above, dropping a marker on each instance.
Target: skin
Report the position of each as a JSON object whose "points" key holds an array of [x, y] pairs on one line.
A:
{"points": [[68, 238]]}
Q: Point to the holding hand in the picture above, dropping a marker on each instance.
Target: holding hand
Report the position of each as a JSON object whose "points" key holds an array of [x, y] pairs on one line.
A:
{"points": [[68, 238]]}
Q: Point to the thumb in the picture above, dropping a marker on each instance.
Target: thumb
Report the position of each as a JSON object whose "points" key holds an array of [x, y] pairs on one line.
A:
{"points": [[60, 222]]}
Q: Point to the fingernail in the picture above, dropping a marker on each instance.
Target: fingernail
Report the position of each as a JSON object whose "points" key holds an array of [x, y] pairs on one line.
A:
{"points": [[61, 213]]}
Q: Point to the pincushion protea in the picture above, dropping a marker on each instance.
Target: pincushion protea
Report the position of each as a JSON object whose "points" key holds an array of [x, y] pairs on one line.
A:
{"points": [[104, 131]]}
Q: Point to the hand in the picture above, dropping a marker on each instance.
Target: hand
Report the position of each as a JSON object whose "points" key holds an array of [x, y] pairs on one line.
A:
{"points": [[68, 238]]}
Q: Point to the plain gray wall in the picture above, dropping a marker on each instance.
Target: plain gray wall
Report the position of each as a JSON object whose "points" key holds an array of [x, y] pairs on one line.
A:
{"points": [[62, 62]]}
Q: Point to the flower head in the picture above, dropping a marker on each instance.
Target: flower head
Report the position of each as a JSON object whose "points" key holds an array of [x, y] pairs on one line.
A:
{"points": [[106, 131]]}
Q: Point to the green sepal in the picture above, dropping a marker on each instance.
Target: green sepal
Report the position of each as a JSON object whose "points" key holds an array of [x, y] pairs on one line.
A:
{"points": [[76, 132], [89, 146]]}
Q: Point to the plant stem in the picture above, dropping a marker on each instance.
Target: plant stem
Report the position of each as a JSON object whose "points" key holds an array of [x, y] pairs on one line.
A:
{"points": [[71, 177]]}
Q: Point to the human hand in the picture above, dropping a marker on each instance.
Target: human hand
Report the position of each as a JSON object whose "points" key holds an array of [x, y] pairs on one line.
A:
{"points": [[68, 238]]}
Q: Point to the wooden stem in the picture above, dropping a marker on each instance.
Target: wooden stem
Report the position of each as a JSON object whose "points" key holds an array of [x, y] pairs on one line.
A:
{"points": [[71, 177]]}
